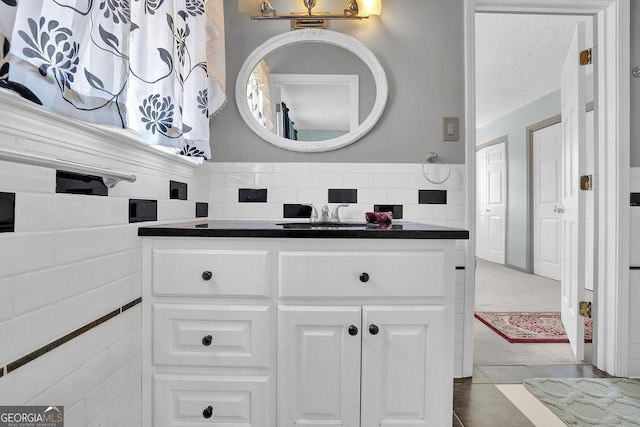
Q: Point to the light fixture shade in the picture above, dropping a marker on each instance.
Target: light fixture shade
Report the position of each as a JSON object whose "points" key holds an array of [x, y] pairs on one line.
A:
{"points": [[370, 7], [251, 7]]}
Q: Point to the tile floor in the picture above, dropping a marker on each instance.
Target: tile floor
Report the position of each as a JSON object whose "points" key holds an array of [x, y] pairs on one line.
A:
{"points": [[494, 396]]}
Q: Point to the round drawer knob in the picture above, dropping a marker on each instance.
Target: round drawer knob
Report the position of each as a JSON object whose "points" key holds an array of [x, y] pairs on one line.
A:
{"points": [[208, 412], [353, 330], [207, 275], [373, 329], [206, 341], [364, 277]]}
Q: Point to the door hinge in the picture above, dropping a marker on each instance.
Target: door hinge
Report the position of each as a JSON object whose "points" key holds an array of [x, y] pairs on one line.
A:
{"points": [[585, 309], [585, 57], [586, 182]]}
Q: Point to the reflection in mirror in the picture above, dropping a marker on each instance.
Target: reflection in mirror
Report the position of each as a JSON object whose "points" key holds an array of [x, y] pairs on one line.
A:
{"points": [[310, 91]]}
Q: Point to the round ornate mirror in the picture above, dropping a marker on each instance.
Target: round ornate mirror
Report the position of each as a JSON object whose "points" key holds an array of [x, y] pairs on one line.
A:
{"points": [[311, 90]]}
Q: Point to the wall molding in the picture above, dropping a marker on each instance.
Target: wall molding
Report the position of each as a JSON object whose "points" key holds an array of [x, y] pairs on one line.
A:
{"points": [[42, 131]]}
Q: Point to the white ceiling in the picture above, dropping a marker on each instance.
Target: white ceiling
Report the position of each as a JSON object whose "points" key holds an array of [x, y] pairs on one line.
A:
{"points": [[518, 59]]}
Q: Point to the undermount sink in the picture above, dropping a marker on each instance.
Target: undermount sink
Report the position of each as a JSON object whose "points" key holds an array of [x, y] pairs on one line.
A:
{"points": [[325, 224]]}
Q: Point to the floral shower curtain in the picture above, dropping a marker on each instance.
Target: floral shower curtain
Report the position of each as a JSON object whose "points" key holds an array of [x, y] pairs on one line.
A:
{"points": [[154, 66]]}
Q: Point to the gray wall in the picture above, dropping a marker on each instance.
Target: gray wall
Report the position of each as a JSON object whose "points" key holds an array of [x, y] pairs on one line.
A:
{"points": [[419, 43], [635, 84], [514, 125]]}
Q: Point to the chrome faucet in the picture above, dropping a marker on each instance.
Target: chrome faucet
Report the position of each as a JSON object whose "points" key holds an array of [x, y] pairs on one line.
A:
{"points": [[314, 212], [324, 216], [335, 215]]}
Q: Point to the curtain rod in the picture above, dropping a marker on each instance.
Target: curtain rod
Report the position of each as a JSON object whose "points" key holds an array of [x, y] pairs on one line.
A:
{"points": [[109, 177]]}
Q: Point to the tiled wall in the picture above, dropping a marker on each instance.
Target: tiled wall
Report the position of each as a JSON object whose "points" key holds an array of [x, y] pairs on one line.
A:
{"points": [[70, 274], [375, 184], [634, 279]]}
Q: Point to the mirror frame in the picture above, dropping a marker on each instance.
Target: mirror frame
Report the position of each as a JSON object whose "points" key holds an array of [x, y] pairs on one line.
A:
{"points": [[320, 36]]}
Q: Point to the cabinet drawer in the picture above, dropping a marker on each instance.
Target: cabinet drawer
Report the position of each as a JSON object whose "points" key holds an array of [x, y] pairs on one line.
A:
{"points": [[361, 274], [187, 400], [233, 273], [205, 335]]}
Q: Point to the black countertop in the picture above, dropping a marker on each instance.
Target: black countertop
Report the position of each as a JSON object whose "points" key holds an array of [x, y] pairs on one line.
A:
{"points": [[304, 229]]}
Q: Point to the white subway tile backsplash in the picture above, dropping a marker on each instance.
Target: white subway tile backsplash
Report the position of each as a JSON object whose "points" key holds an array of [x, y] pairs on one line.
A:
{"points": [[46, 212], [283, 195], [292, 167], [219, 167], [6, 299], [402, 196], [74, 415], [369, 168], [358, 180], [448, 212], [389, 180], [223, 195], [76, 245], [16, 177], [23, 252], [101, 396], [269, 180], [103, 211], [298, 180], [27, 333], [217, 180], [74, 387], [373, 196], [173, 210], [330, 167], [405, 168], [124, 350], [35, 290], [254, 167], [240, 180], [418, 212], [312, 195], [416, 181], [328, 180]]}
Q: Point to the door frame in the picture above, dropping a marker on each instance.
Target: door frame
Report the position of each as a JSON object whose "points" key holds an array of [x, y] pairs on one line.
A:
{"points": [[612, 101]]}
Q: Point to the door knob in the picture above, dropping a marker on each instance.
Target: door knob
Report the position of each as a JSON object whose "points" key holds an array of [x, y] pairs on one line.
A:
{"points": [[207, 275], [353, 330], [373, 329], [558, 209], [207, 340], [208, 412]]}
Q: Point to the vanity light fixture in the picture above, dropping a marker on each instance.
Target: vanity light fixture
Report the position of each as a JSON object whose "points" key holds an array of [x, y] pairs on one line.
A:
{"points": [[355, 10]]}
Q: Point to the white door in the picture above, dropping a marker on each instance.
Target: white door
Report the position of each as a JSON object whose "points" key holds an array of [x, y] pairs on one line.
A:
{"points": [[573, 218], [319, 366], [547, 238], [491, 163], [403, 367], [589, 222]]}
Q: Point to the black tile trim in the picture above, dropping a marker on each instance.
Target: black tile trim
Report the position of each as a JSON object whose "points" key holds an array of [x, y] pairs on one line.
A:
{"points": [[1, 371], [396, 210], [634, 199], [252, 195], [292, 210], [202, 210], [57, 343], [78, 183], [7, 212], [460, 267], [177, 190], [432, 197], [342, 195], [141, 210], [634, 267]]}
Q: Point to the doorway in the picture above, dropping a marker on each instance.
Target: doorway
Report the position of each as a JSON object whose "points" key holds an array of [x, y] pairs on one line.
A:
{"points": [[516, 289], [612, 266]]}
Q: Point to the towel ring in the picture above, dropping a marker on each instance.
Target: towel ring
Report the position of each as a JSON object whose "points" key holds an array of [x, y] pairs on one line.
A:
{"points": [[434, 158]]}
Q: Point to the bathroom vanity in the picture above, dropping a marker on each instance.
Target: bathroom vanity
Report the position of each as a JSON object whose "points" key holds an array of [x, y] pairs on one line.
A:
{"points": [[267, 325]]}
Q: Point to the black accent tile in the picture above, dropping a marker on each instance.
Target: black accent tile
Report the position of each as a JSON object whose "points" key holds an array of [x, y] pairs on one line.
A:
{"points": [[141, 210], [202, 210], [343, 195], [7, 212], [131, 304], [1, 371], [177, 190], [460, 267], [252, 195], [432, 197], [296, 211], [77, 183], [396, 210], [635, 199]]}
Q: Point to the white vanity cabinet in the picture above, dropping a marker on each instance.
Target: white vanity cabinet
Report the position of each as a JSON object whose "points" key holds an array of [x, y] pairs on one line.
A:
{"points": [[283, 332]]}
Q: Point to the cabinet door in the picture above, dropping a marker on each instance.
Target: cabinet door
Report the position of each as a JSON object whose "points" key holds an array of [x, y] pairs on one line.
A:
{"points": [[319, 366], [406, 367]]}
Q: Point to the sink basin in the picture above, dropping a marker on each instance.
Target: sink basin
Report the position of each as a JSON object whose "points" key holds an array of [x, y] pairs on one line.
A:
{"points": [[325, 224]]}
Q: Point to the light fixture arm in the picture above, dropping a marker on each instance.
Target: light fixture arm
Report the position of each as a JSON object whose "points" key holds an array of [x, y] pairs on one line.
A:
{"points": [[310, 19]]}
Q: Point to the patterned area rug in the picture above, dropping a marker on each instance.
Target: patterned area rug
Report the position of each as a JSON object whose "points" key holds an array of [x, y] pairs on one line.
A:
{"points": [[590, 401], [538, 327]]}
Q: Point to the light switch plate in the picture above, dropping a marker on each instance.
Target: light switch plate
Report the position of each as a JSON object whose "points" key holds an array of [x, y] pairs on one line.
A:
{"points": [[450, 129]]}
